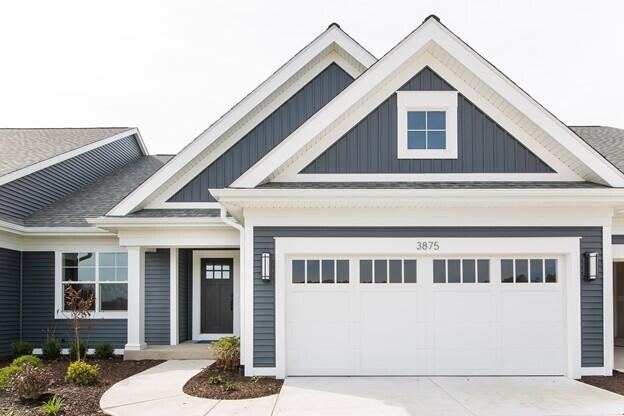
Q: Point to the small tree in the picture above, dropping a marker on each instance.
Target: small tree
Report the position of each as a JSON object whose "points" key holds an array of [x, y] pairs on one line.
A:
{"points": [[79, 308]]}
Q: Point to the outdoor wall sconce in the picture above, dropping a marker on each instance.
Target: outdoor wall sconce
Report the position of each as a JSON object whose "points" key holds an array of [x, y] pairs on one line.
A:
{"points": [[266, 266], [591, 260]]}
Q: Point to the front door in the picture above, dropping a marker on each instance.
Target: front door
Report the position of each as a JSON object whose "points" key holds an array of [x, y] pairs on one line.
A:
{"points": [[217, 296]]}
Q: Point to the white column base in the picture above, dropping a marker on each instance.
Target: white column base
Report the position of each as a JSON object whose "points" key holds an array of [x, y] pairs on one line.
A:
{"points": [[135, 347]]}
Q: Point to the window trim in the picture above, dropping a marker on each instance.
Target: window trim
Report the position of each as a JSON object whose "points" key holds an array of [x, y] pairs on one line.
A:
{"points": [[59, 313], [427, 101]]}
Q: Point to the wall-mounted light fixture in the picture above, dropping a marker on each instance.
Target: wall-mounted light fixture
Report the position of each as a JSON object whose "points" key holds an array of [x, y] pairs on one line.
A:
{"points": [[266, 266], [591, 264]]}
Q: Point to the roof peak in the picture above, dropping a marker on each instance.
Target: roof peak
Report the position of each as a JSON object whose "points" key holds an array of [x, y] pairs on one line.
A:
{"points": [[432, 16], [333, 24]]}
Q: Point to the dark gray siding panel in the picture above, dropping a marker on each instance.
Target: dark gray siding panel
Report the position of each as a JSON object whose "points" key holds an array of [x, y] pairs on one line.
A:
{"points": [[157, 291], [371, 145], [38, 308], [266, 135], [9, 299], [591, 292], [184, 295], [617, 239], [25, 195]]}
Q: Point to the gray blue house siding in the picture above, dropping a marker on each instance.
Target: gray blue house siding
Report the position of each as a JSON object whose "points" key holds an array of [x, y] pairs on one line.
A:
{"points": [[592, 326], [157, 303], [185, 295], [25, 195], [371, 145], [266, 135], [9, 299], [38, 309], [617, 239]]}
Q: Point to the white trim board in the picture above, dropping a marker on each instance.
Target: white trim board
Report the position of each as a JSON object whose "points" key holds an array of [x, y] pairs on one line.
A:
{"points": [[9, 177], [280, 84], [432, 34], [196, 324]]}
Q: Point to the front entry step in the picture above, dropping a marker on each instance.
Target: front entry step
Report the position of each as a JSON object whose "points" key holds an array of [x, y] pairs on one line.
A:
{"points": [[184, 351]]}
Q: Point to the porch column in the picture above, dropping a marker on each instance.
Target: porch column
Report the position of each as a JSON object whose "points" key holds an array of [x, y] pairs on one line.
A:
{"points": [[173, 295], [136, 298]]}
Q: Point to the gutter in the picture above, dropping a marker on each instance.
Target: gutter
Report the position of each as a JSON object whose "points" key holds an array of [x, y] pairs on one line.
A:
{"points": [[51, 231]]}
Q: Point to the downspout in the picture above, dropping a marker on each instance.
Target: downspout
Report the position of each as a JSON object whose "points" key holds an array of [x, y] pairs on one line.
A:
{"points": [[241, 319]]}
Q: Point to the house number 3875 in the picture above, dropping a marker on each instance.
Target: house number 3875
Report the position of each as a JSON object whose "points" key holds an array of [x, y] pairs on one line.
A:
{"points": [[427, 245]]}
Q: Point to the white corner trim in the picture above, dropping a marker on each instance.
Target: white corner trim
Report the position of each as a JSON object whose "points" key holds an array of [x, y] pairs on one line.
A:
{"points": [[174, 337], [607, 300], [326, 41], [234, 254], [9, 177], [445, 101], [430, 32]]}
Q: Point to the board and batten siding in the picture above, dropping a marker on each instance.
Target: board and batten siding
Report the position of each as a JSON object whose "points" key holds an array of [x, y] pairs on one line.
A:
{"points": [[25, 195], [157, 297], [371, 145], [9, 299], [38, 309], [266, 135], [592, 326]]}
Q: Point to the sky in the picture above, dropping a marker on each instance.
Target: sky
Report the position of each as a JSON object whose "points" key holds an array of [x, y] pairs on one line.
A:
{"points": [[171, 68]]}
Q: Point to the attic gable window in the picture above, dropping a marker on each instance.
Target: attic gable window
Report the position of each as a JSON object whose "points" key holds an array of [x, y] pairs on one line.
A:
{"points": [[427, 124]]}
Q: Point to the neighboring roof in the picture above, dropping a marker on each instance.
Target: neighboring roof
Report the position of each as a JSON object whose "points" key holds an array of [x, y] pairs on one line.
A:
{"points": [[608, 141], [20, 148], [174, 213], [429, 185], [96, 199]]}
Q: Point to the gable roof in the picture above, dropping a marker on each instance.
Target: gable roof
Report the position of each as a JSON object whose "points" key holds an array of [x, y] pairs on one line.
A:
{"points": [[26, 150], [435, 45], [333, 44], [608, 141]]}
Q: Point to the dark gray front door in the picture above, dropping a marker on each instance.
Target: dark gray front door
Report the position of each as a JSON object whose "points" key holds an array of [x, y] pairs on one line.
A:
{"points": [[217, 296]]}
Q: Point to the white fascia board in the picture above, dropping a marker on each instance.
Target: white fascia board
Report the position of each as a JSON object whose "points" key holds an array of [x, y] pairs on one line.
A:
{"points": [[51, 231], [430, 30], [9, 177], [132, 222], [331, 37]]}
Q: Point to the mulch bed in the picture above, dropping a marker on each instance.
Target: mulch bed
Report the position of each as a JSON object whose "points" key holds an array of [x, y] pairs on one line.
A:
{"points": [[614, 383], [245, 387], [77, 400]]}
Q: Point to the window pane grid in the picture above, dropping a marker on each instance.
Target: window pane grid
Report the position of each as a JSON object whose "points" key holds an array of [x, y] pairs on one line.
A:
{"points": [[531, 270], [387, 271], [426, 130], [320, 271], [461, 271]]}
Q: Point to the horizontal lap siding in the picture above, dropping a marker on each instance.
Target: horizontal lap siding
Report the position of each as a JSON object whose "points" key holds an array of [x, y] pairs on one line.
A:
{"points": [[9, 299], [23, 196], [38, 308], [157, 297], [617, 239], [592, 332], [371, 145], [266, 135]]}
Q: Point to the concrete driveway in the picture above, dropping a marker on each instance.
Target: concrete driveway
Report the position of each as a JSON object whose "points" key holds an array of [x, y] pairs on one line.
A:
{"points": [[444, 396]]}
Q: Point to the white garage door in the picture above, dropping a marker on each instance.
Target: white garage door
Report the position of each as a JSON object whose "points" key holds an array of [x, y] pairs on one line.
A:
{"points": [[425, 316]]}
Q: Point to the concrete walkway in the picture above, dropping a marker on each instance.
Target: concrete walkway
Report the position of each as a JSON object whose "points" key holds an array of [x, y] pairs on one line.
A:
{"points": [[158, 391]]}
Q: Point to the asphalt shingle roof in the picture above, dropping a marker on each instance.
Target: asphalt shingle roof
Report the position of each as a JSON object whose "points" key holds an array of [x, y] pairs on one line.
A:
{"points": [[608, 141], [96, 199], [20, 148]]}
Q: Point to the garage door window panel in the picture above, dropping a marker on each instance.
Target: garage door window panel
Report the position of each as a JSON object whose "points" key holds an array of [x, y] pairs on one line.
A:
{"points": [[315, 271], [384, 271], [534, 271], [461, 271]]}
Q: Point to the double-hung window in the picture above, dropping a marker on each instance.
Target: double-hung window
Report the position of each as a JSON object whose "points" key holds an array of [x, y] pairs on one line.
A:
{"points": [[427, 124], [101, 274]]}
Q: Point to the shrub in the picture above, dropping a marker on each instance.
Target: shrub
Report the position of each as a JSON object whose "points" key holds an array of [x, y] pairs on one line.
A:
{"points": [[104, 351], [51, 349], [72, 350], [82, 373], [227, 352], [229, 387], [215, 380], [7, 373], [53, 406], [256, 379], [21, 348], [31, 382], [27, 359]]}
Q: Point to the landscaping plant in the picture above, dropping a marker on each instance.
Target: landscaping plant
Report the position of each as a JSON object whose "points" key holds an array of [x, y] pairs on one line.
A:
{"points": [[27, 359], [227, 352], [215, 380], [103, 351], [79, 308], [21, 348], [74, 355], [7, 373], [51, 349], [53, 406], [256, 379], [229, 386], [82, 373], [31, 382]]}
